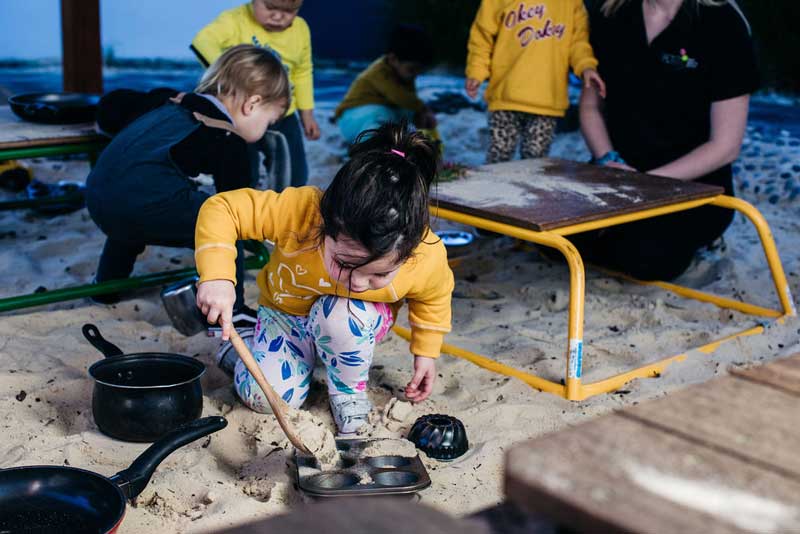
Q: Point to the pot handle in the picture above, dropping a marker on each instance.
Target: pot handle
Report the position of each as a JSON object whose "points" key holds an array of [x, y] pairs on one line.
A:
{"points": [[134, 479], [92, 335]]}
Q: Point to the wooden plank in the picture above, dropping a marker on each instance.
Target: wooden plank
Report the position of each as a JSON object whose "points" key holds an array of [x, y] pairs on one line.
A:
{"points": [[362, 515], [617, 474], [756, 423], [16, 133], [544, 194], [80, 41], [783, 374]]}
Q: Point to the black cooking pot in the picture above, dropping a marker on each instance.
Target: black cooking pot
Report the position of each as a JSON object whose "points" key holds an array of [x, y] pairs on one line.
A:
{"points": [[58, 499], [55, 108], [140, 397]]}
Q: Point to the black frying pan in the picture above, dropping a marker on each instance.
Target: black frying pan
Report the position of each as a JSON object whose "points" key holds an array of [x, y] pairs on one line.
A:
{"points": [[142, 396], [57, 499], [55, 108]]}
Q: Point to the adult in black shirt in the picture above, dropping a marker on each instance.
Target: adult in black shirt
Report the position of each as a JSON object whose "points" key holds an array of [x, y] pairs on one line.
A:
{"points": [[678, 75]]}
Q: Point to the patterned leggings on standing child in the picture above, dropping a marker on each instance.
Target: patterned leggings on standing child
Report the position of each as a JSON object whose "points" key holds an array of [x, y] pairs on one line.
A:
{"points": [[507, 127]]}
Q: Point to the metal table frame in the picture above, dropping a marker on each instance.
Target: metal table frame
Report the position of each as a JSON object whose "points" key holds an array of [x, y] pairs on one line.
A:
{"points": [[573, 387]]}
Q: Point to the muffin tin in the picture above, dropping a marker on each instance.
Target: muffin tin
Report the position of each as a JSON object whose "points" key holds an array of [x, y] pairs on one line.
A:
{"points": [[384, 475]]}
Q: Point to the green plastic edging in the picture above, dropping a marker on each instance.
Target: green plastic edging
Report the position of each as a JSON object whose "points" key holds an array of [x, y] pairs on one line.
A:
{"points": [[256, 261], [54, 150]]}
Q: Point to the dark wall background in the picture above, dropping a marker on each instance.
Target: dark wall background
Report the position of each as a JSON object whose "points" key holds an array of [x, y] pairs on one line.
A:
{"points": [[775, 30], [347, 29], [357, 29]]}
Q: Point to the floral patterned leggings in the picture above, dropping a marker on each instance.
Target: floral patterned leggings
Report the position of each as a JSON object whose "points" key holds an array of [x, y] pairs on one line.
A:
{"points": [[342, 332]]}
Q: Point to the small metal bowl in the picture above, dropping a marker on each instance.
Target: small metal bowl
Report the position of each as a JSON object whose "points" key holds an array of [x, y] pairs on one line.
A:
{"points": [[455, 238], [442, 437]]}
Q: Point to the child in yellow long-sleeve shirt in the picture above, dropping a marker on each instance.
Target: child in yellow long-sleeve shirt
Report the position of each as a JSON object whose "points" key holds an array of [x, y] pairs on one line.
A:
{"points": [[344, 261], [525, 49], [274, 25]]}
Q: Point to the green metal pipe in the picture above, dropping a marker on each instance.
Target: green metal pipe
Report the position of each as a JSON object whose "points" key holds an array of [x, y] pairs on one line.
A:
{"points": [[115, 286], [53, 150]]}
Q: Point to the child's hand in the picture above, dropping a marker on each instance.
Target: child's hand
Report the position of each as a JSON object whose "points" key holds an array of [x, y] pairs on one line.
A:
{"points": [[425, 119], [472, 85], [310, 126], [591, 77], [421, 384], [215, 299]]}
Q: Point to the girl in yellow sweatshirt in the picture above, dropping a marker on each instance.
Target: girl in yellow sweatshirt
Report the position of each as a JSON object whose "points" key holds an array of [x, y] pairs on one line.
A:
{"points": [[525, 49], [344, 261]]}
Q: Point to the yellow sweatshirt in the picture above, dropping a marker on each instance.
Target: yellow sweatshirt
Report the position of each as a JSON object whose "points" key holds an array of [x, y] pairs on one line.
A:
{"points": [[378, 84], [526, 49], [296, 276], [293, 45]]}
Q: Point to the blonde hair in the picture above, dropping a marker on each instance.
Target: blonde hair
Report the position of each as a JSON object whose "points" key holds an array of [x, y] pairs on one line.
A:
{"points": [[284, 5], [244, 71], [610, 7]]}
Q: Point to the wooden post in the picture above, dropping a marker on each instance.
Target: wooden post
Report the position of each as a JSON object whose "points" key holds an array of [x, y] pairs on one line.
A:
{"points": [[82, 60]]}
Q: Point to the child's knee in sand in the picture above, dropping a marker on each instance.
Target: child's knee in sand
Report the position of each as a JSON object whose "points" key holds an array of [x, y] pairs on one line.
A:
{"points": [[331, 314]]}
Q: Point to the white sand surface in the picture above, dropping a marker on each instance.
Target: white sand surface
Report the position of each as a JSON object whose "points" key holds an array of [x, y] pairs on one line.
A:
{"points": [[510, 304]]}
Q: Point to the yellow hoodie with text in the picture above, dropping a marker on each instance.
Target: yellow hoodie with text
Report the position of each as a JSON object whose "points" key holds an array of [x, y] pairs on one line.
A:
{"points": [[525, 49], [296, 276]]}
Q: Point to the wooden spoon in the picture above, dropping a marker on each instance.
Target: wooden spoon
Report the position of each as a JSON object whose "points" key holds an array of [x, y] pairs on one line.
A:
{"points": [[279, 407]]}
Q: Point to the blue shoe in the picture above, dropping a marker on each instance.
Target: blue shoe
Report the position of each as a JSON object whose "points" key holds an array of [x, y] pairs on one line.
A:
{"points": [[227, 356]]}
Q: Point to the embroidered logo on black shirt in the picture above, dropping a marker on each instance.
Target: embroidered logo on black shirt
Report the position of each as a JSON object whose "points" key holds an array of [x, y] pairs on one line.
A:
{"points": [[680, 61]]}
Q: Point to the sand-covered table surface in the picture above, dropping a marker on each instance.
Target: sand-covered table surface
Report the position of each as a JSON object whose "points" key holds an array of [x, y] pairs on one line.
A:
{"points": [[510, 304]]}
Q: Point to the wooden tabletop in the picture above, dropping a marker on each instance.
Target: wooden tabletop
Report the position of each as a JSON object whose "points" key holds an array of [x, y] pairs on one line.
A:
{"points": [[717, 457], [544, 194], [16, 133]]}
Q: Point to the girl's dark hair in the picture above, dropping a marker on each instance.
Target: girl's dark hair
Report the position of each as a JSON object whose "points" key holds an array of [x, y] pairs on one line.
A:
{"points": [[379, 198]]}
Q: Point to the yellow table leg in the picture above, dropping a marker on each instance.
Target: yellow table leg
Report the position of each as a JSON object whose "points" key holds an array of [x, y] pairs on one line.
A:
{"points": [[768, 243], [577, 285]]}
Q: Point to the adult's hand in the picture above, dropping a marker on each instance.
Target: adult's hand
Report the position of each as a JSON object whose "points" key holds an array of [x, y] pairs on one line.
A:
{"points": [[215, 299], [618, 165], [472, 85], [421, 384], [310, 126]]}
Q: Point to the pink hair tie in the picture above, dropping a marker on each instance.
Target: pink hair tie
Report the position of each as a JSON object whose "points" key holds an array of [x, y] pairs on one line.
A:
{"points": [[395, 151]]}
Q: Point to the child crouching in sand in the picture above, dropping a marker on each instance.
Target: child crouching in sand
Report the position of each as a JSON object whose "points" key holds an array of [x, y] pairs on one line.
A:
{"points": [[139, 193], [386, 91], [344, 261]]}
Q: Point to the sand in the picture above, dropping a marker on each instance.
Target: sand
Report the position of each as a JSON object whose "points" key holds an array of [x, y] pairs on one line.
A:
{"points": [[390, 447], [520, 183], [510, 304], [316, 436]]}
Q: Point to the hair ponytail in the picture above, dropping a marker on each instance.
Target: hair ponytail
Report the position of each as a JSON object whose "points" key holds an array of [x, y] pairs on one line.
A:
{"points": [[380, 196]]}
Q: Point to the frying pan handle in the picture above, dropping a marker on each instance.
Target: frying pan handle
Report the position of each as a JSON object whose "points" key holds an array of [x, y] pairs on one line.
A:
{"points": [[134, 479], [92, 335]]}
